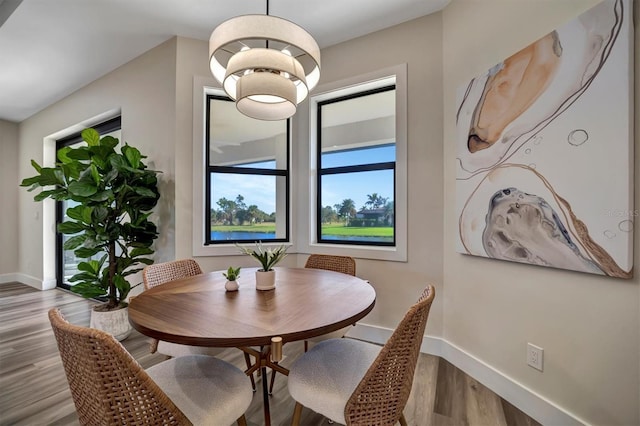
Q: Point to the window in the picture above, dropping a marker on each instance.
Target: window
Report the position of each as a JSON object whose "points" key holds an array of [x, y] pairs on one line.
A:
{"points": [[246, 176], [66, 261], [356, 168]]}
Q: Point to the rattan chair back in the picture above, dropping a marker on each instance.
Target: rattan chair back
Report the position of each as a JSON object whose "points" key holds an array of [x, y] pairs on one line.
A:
{"points": [[160, 273], [107, 384], [383, 392], [344, 264]]}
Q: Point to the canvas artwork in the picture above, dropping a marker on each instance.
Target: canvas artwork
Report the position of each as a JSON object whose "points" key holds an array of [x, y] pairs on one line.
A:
{"points": [[545, 150]]}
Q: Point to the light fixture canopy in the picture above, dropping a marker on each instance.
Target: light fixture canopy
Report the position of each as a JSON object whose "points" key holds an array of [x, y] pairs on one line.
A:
{"points": [[266, 64]]}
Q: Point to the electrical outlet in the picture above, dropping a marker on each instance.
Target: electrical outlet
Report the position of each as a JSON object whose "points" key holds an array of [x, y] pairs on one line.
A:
{"points": [[535, 355]]}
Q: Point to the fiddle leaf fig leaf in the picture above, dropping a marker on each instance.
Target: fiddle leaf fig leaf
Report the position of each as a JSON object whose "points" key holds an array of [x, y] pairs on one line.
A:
{"points": [[102, 196], [81, 154], [133, 156], [88, 290], [109, 141], [145, 192], [74, 242], [82, 189], [95, 174], [86, 214], [91, 137], [100, 213], [45, 194], [75, 213], [36, 166], [140, 251], [62, 155], [85, 252], [92, 266], [70, 227]]}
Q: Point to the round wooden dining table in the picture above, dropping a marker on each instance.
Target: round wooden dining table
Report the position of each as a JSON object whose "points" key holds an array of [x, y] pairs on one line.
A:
{"points": [[199, 311]]}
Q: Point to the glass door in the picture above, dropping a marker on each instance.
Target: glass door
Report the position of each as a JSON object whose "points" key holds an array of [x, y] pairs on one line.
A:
{"points": [[66, 261]]}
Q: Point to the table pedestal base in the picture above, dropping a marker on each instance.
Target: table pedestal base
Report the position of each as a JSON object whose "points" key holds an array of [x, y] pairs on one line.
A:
{"points": [[263, 360]]}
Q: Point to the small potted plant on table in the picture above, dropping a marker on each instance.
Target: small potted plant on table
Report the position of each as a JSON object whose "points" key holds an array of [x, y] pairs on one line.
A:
{"points": [[232, 276], [268, 258]]}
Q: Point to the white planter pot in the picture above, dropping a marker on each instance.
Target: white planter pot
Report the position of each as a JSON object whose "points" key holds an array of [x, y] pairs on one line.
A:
{"points": [[114, 322], [231, 285], [265, 280]]}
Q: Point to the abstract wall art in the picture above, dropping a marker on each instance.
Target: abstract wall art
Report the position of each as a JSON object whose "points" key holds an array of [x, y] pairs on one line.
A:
{"points": [[544, 170]]}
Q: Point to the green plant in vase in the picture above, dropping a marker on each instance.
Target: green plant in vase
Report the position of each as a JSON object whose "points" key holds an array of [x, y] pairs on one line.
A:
{"points": [[115, 193], [268, 258], [232, 274]]}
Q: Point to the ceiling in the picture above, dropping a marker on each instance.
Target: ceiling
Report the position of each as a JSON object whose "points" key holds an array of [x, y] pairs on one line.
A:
{"points": [[49, 49]]}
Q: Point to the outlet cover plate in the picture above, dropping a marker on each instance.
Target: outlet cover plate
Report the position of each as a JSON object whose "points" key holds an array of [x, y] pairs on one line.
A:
{"points": [[535, 355]]}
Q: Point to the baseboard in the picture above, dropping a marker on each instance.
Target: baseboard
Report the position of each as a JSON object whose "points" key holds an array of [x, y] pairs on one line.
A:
{"points": [[28, 280], [534, 405]]}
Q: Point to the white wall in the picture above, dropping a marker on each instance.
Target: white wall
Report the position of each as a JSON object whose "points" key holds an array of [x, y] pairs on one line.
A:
{"points": [[587, 325], [417, 43], [9, 188], [192, 61], [144, 91]]}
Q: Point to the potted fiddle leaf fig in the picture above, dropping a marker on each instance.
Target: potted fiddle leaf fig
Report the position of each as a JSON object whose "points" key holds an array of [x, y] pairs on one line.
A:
{"points": [[114, 193], [268, 258]]}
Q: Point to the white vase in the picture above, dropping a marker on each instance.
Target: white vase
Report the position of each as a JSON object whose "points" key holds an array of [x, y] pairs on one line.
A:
{"points": [[265, 280], [231, 285], [114, 322]]}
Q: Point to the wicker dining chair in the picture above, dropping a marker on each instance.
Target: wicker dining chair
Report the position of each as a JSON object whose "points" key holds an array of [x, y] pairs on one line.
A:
{"points": [[358, 383], [109, 387], [344, 264], [161, 273]]}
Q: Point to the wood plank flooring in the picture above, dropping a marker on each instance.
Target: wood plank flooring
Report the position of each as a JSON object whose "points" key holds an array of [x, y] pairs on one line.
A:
{"points": [[34, 390]]}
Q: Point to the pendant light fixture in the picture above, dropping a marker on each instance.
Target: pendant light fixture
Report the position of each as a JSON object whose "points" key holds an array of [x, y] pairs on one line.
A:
{"points": [[266, 64]]}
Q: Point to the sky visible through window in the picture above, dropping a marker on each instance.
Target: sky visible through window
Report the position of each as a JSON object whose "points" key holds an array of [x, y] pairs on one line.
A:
{"points": [[260, 190]]}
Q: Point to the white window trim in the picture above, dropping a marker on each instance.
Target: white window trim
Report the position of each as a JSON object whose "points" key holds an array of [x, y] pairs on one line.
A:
{"points": [[306, 241], [201, 88]]}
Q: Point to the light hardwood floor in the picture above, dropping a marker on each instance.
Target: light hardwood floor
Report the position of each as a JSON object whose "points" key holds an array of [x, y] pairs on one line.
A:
{"points": [[34, 390]]}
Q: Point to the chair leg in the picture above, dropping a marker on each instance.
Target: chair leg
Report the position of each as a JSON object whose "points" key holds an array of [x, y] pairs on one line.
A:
{"points": [[273, 380], [403, 421], [306, 346], [248, 361], [242, 421], [153, 346], [297, 413]]}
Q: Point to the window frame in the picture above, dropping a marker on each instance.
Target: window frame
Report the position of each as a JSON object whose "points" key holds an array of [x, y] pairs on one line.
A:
{"points": [[307, 240], [203, 86], [210, 169], [303, 171], [368, 167]]}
